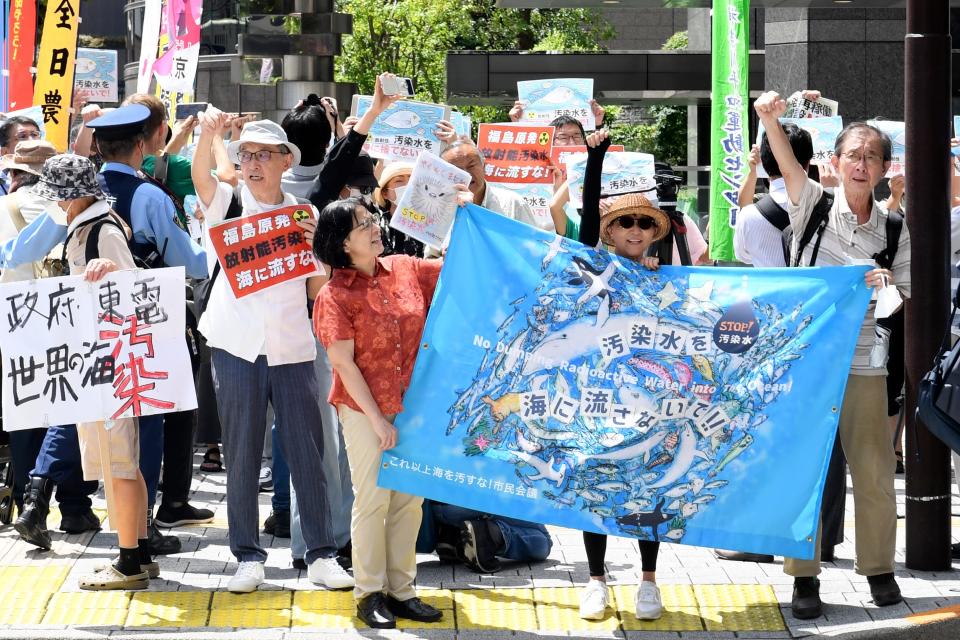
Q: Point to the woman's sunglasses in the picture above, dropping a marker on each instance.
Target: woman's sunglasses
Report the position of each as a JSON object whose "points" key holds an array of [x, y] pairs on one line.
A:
{"points": [[644, 222]]}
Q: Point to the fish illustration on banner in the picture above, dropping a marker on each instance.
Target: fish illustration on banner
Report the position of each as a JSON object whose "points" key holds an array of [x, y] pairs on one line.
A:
{"points": [[96, 77], [625, 172], [544, 100], [427, 207], [823, 133], [569, 386], [898, 136], [405, 130]]}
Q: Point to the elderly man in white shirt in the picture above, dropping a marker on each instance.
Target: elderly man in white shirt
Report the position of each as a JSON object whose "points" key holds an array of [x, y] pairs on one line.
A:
{"points": [[262, 349]]}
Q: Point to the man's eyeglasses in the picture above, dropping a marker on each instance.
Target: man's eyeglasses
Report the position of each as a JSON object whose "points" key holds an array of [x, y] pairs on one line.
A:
{"points": [[563, 138], [263, 155], [645, 223], [870, 158], [30, 134]]}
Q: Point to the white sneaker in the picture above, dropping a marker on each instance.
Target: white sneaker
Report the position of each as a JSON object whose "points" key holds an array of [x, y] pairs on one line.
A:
{"points": [[648, 603], [328, 573], [249, 576], [594, 600]]}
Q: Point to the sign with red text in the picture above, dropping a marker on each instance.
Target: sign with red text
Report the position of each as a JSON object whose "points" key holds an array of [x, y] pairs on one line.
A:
{"points": [[78, 351], [516, 154], [259, 251]]}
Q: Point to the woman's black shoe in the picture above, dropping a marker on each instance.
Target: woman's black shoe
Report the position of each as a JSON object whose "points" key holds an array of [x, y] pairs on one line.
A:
{"points": [[374, 612], [413, 609]]}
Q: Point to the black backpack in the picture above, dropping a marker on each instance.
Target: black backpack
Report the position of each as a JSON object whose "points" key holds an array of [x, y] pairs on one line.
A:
{"points": [[938, 394], [819, 218]]}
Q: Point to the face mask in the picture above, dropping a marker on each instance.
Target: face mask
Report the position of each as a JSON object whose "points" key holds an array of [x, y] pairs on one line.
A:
{"points": [[398, 193]]}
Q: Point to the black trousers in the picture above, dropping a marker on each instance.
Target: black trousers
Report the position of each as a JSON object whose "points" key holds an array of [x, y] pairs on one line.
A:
{"points": [[834, 497], [178, 429]]}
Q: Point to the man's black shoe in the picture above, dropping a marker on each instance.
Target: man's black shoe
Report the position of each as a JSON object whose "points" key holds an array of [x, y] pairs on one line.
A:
{"points": [[178, 514], [32, 523], [161, 545], [80, 523], [742, 556], [345, 556], [374, 612], [481, 541], [277, 524], [806, 603], [300, 563], [345, 562], [413, 609], [884, 589], [955, 551], [826, 553]]}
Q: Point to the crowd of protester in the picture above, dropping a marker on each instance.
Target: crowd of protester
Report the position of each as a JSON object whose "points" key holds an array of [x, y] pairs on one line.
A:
{"points": [[324, 361]]}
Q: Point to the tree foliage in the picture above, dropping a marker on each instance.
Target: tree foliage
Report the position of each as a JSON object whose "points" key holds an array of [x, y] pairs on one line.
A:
{"points": [[411, 37]]}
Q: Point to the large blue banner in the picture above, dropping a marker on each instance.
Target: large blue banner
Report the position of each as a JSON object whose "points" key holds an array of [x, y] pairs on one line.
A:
{"points": [[564, 385]]}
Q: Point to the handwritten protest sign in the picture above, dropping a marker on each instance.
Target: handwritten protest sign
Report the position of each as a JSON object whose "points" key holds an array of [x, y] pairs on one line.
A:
{"points": [[823, 133], [626, 172], [75, 351], [898, 136], [96, 77], [544, 100], [800, 107], [404, 131], [259, 251], [516, 154], [427, 207]]}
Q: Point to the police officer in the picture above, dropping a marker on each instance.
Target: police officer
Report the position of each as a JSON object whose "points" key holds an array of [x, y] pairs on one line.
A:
{"points": [[120, 139]]}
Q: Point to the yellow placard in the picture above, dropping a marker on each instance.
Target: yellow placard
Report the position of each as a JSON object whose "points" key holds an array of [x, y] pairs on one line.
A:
{"points": [[53, 91]]}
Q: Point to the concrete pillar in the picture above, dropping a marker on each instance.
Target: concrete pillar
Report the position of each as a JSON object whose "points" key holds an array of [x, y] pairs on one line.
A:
{"points": [[854, 56]]}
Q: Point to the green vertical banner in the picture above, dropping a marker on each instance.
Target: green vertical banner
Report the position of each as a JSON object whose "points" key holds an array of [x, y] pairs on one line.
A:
{"points": [[728, 121]]}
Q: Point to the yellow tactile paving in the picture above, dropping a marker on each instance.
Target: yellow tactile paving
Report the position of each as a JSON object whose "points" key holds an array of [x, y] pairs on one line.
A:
{"points": [[176, 599], [734, 595], [32, 579], [686, 608], [676, 619], [494, 598], [516, 619], [75, 617], [937, 615], [250, 618], [168, 617], [17, 617], [753, 618], [90, 600], [255, 600], [552, 617], [324, 619], [324, 600]]}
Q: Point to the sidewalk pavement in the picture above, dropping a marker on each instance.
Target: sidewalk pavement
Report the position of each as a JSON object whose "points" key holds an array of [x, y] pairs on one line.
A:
{"points": [[704, 598]]}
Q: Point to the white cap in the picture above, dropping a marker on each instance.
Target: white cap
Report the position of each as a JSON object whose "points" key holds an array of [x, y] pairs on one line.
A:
{"points": [[262, 132]]}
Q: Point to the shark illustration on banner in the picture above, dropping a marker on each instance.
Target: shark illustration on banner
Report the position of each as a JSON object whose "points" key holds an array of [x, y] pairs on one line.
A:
{"points": [[568, 386]]}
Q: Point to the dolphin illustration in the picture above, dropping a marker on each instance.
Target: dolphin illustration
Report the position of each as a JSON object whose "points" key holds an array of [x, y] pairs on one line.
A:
{"points": [[641, 448], [683, 460], [556, 246], [545, 470]]}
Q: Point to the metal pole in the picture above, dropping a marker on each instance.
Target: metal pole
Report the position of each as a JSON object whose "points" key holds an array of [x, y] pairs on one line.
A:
{"points": [[927, 106]]}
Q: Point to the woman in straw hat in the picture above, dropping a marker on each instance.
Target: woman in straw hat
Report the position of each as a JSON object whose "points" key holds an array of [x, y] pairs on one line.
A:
{"points": [[393, 180], [629, 225]]}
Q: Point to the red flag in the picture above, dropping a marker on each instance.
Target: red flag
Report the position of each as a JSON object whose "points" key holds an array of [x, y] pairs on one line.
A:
{"points": [[21, 40]]}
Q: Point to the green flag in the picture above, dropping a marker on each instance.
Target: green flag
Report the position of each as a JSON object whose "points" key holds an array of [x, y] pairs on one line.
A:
{"points": [[728, 123]]}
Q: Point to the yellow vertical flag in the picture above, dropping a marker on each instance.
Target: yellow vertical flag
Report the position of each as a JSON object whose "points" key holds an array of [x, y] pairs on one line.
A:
{"points": [[53, 90]]}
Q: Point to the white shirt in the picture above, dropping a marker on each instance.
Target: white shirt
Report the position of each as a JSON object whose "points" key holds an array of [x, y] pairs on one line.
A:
{"points": [[31, 207], [755, 240], [272, 322]]}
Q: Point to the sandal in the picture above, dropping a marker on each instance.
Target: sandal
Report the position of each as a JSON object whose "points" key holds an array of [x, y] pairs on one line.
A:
{"points": [[212, 463], [108, 578]]}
